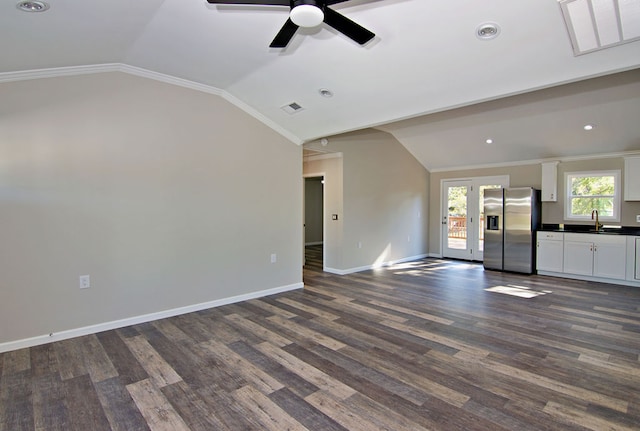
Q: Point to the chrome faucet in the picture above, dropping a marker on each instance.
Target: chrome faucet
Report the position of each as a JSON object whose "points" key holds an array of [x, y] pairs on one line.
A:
{"points": [[598, 224]]}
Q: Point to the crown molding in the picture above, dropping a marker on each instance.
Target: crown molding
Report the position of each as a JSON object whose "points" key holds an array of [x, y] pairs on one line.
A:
{"points": [[538, 161], [25, 75], [316, 157], [144, 73], [168, 79], [258, 116]]}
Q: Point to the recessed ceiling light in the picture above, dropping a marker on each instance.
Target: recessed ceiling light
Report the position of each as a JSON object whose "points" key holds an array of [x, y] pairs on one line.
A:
{"points": [[487, 31], [489, 141], [588, 127], [325, 93], [32, 6]]}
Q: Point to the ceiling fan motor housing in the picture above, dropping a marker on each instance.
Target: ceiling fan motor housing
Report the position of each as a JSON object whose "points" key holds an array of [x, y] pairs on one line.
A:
{"points": [[295, 3], [309, 14]]}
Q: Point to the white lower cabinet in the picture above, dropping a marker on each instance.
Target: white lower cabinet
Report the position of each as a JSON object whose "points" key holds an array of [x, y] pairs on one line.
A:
{"points": [[637, 263], [633, 258], [578, 257], [549, 254], [609, 257], [596, 255], [587, 256]]}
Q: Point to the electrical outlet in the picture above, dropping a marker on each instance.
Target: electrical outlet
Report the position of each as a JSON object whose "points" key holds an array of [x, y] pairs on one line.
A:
{"points": [[274, 258], [359, 244], [85, 282], [638, 218]]}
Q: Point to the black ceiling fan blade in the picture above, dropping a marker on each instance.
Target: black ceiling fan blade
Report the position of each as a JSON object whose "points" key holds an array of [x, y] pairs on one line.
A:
{"points": [[347, 27], [284, 35], [256, 2]]}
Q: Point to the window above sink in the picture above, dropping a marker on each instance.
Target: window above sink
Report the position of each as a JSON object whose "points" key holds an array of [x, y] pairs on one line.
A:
{"points": [[589, 191]]}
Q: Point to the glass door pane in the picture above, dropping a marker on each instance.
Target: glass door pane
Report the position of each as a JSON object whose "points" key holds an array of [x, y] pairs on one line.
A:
{"points": [[457, 217], [455, 221]]}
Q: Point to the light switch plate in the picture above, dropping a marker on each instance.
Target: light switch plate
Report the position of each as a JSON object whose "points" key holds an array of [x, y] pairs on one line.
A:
{"points": [[638, 218]]}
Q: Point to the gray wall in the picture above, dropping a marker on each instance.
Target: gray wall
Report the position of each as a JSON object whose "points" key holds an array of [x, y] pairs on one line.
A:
{"points": [[166, 196], [385, 192]]}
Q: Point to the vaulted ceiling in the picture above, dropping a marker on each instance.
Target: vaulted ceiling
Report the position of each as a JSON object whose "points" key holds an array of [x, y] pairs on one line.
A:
{"points": [[426, 77]]}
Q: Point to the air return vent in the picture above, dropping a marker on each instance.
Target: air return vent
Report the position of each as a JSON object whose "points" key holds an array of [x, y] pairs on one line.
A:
{"points": [[292, 108], [599, 24]]}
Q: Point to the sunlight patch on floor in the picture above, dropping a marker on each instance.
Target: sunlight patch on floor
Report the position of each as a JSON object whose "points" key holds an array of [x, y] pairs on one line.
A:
{"points": [[519, 291], [418, 268]]}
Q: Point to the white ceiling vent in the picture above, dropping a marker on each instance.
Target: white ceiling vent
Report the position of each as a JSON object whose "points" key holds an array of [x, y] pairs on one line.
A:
{"points": [[292, 108], [598, 24]]}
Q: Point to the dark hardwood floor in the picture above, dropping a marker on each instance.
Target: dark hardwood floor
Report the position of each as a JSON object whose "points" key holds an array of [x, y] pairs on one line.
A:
{"points": [[313, 258], [416, 346]]}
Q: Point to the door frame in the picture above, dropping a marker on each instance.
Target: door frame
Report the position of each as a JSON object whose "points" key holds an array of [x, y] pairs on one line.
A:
{"points": [[322, 175], [444, 231], [473, 211]]}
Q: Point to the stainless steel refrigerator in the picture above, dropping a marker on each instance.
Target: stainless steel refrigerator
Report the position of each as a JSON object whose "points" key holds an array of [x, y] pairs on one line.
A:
{"points": [[512, 217]]}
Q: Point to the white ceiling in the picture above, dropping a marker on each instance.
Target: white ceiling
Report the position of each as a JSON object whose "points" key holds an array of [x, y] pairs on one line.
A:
{"points": [[425, 59], [545, 124]]}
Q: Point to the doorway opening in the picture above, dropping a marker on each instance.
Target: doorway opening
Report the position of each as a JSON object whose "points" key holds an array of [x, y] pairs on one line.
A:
{"points": [[314, 222]]}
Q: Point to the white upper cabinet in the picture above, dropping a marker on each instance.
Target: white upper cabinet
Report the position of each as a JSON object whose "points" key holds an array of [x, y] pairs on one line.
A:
{"points": [[631, 178], [550, 182]]}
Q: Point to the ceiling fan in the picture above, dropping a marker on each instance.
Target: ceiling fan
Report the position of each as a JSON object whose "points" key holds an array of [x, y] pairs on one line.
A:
{"points": [[308, 13]]}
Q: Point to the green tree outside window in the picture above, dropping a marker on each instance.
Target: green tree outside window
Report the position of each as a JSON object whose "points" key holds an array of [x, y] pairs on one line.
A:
{"points": [[593, 191]]}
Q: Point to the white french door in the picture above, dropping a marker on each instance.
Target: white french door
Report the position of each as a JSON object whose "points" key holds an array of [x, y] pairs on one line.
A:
{"points": [[463, 216], [456, 223]]}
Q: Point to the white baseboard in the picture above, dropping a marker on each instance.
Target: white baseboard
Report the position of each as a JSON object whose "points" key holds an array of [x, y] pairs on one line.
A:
{"points": [[115, 324], [436, 255], [590, 278], [373, 266]]}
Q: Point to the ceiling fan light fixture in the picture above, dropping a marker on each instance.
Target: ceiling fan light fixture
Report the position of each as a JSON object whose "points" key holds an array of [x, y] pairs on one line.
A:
{"points": [[307, 15]]}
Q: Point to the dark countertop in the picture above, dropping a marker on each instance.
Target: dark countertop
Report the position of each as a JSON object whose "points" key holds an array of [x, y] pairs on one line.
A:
{"points": [[589, 228]]}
